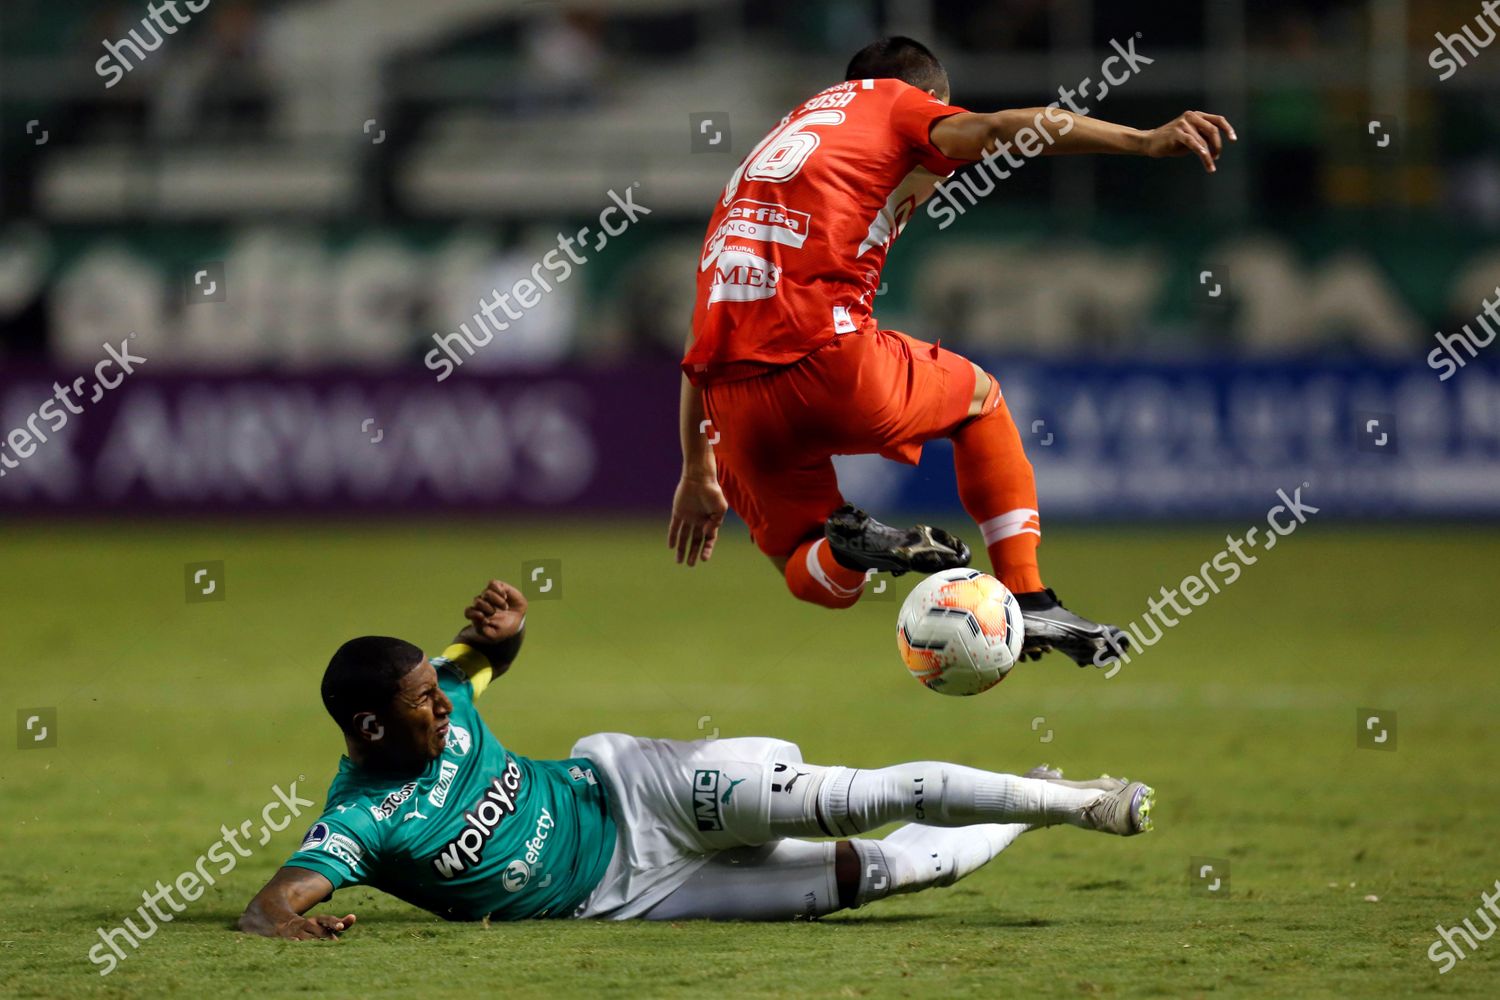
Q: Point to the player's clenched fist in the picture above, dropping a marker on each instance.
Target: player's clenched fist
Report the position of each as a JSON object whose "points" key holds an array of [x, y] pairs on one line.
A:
{"points": [[497, 614], [1191, 133]]}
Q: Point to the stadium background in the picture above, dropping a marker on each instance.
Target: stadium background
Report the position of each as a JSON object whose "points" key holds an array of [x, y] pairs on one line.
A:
{"points": [[284, 204]]}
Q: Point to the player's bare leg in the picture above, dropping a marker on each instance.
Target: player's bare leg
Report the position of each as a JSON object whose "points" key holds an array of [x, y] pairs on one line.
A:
{"points": [[998, 489]]}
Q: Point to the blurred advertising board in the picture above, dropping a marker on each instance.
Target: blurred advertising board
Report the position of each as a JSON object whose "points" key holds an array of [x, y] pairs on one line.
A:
{"points": [[1109, 441], [581, 439], [1217, 439]]}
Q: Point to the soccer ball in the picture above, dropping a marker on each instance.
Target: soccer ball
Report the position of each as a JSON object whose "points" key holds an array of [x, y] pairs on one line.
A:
{"points": [[960, 632]]}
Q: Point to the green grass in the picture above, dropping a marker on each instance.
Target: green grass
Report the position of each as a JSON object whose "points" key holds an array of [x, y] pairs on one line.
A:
{"points": [[175, 718]]}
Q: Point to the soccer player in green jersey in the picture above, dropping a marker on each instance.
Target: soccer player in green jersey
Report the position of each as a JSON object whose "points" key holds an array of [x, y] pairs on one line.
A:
{"points": [[430, 807]]}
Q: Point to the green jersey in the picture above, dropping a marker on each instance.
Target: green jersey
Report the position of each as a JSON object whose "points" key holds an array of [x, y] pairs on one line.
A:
{"points": [[481, 831]]}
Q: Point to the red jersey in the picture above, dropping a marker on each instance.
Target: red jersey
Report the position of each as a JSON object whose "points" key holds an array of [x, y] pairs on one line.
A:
{"points": [[796, 244]]}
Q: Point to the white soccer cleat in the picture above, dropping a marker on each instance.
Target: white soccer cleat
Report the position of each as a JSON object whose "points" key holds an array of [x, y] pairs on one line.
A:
{"points": [[1104, 783], [1125, 811]]}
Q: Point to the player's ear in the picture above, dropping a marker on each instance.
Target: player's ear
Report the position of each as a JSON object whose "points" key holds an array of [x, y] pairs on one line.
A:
{"points": [[369, 726]]}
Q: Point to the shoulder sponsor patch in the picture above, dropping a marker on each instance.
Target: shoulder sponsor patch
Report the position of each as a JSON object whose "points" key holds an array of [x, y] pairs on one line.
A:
{"points": [[346, 849]]}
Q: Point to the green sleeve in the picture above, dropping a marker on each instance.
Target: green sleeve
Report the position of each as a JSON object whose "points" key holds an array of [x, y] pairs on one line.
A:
{"points": [[343, 847]]}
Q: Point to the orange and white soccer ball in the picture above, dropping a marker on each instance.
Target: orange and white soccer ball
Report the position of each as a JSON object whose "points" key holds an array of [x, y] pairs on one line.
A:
{"points": [[960, 632]]}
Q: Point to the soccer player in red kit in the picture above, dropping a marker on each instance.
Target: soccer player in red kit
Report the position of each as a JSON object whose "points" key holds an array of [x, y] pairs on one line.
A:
{"points": [[787, 366]]}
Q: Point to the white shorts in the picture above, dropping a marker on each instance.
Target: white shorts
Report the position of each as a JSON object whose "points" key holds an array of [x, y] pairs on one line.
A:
{"points": [[675, 803]]}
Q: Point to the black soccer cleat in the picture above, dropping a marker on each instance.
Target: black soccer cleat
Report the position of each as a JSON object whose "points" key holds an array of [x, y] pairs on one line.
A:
{"points": [[858, 541], [1049, 625]]}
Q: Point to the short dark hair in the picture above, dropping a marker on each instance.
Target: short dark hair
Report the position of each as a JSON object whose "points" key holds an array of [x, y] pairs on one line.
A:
{"points": [[900, 58], [364, 676]]}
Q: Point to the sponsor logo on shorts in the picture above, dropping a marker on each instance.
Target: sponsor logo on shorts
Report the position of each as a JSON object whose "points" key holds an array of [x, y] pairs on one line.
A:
{"points": [[481, 820], [741, 276], [582, 774], [315, 836], [706, 809], [392, 802], [458, 740], [439, 793], [344, 848], [758, 222]]}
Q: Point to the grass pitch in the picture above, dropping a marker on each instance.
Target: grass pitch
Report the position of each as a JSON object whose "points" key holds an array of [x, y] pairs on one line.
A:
{"points": [[174, 718]]}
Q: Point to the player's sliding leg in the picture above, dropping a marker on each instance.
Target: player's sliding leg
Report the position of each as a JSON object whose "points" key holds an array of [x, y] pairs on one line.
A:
{"points": [[998, 489], [916, 857], [811, 800], [782, 880], [787, 879]]}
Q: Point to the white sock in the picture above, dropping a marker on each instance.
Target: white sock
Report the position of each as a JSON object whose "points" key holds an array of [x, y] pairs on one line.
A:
{"points": [[918, 857], [852, 801]]}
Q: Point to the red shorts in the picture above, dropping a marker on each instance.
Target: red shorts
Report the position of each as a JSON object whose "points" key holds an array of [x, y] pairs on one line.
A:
{"points": [[862, 393]]}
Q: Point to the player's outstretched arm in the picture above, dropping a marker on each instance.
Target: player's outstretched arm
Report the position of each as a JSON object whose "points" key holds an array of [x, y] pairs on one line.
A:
{"points": [[277, 910], [698, 506], [1059, 132]]}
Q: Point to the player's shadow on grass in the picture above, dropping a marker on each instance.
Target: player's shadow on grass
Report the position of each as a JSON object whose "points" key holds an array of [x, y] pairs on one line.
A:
{"points": [[1114, 883], [968, 919]]}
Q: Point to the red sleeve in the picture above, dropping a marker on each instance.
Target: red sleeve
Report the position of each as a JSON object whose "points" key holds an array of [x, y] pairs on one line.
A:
{"points": [[912, 116]]}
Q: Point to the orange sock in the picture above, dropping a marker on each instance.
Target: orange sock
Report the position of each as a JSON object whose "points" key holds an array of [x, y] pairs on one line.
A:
{"points": [[998, 489], [813, 575]]}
